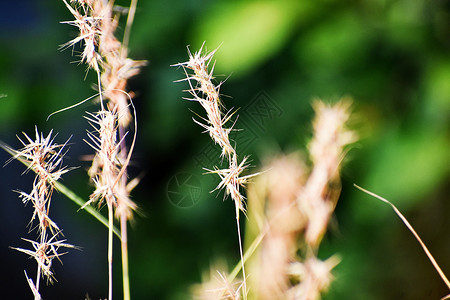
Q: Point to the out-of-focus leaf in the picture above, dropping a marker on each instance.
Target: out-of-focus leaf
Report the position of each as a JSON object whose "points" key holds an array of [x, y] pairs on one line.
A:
{"points": [[409, 167], [437, 90], [165, 18], [248, 32], [336, 44], [404, 23], [9, 105]]}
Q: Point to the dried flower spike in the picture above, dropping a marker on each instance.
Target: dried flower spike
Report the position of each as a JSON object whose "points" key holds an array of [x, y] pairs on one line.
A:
{"points": [[107, 164], [319, 196], [103, 52], [90, 31], [44, 158], [207, 94]]}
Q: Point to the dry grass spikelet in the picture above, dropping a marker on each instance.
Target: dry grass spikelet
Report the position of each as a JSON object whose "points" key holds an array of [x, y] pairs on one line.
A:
{"points": [[88, 26], [44, 158], [331, 134], [274, 214], [107, 164], [103, 52], [117, 68], [326, 149], [44, 252], [290, 206], [314, 276], [231, 180], [207, 94], [216, 285], [203, 91]]}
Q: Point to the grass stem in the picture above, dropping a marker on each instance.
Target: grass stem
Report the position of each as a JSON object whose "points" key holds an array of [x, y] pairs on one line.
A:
{"points": [[110, 251], [124, 246], [244, 283], [126, 35], [408, 225]]}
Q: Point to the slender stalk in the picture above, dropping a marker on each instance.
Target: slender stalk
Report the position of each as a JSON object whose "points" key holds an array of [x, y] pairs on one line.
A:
{"points": [[38, 279], [244, 285], [409, 226], [124, 246], [100, 92], [43, 240], [110, 250], [248, 253], [123, 153], [123, 222], [126, 35]]}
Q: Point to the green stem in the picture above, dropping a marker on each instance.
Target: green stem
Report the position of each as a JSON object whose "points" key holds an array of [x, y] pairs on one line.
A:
{"points": [[244, 286], [250, 250], [125, 274], [126, 35], [110, 250], [80, 202]]}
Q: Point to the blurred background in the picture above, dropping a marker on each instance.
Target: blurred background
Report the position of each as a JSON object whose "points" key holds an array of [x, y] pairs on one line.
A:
{"points": [[391, 57]]}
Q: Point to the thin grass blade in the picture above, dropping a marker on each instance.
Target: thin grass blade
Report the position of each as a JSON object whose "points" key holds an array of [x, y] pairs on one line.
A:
{"points": [[408, 225]]}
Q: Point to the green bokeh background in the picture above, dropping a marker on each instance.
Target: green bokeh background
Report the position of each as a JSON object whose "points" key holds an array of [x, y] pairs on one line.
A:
{"points": [[391, 57]]}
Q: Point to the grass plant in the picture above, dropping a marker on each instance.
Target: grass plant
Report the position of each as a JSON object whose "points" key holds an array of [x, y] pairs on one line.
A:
{"points": [[287, 204], [44, 157], [305, 203], [108, 58], [203, 91]]}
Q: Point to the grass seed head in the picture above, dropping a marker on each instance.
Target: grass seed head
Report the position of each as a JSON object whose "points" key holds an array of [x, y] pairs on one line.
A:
{"points": [[44, 158], [326, 149], [89, 27], [107, 164]]}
